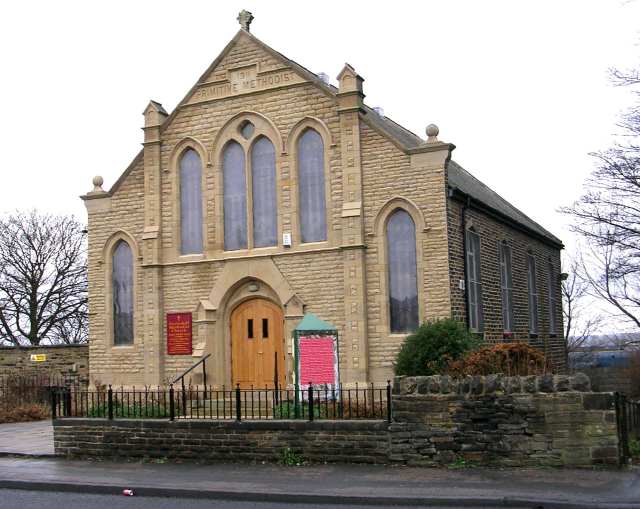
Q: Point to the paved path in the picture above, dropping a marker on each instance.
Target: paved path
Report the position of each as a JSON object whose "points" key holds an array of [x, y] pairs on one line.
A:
{"points": [[334, 484], [31, 438]]}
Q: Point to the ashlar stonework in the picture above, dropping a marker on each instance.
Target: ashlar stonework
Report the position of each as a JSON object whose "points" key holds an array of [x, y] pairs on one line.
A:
{"points": [[367, 168]]}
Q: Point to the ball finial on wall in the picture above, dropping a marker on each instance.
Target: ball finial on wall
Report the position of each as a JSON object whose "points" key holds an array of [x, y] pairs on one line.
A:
{"points": [[97, 184], [432, 133]]}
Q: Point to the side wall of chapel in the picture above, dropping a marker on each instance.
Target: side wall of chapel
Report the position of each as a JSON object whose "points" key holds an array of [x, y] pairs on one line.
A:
{"points": [[491, 233]]}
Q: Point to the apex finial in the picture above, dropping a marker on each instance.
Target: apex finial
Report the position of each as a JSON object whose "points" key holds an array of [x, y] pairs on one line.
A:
{"points": [[245, 18]]}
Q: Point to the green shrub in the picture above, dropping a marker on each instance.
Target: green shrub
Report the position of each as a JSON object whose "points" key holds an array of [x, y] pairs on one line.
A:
{"points": [[431, 348], [634, 448]]}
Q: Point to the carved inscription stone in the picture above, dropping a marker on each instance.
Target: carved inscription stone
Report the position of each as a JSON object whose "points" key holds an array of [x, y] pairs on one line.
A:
{"points": [[245, 80]]}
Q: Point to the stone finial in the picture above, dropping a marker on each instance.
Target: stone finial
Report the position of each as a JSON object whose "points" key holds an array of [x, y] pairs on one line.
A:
{"points": [[432, 133], [97, 184], [245, 18]]}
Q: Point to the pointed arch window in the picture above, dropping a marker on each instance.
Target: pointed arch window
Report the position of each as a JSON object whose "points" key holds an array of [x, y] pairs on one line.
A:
{"points": [[235, 197], [122, 285], [311, 187], [533, 293], [506, 287], [402, 267], [190, 203], [263, 192], [474, 282], [553, 303]]}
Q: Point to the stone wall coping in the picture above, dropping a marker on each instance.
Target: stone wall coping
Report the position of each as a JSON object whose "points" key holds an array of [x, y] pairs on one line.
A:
{"points": [[490, 384], [195, 424], [43, 347]]}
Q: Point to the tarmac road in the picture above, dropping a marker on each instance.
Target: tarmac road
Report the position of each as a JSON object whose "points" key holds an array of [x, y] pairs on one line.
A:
{"points": [[22, 499]]}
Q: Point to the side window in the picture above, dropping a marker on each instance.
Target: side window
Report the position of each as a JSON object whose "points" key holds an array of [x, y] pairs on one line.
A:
{"points": [[506, 286], [235, 197], [553, 303], [402, 266], [190, 203], [474, 282], [263, 188], [311, 187], [533, 294], [122, 285]]}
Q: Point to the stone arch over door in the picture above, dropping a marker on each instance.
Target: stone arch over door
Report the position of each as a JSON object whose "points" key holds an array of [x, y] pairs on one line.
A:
{"points": [[242, 280]]}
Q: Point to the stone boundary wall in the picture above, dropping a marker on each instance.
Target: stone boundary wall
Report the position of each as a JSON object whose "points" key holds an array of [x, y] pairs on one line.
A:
{"points": [[319, 441], [532, 420], [496, 420], [62, 361]]}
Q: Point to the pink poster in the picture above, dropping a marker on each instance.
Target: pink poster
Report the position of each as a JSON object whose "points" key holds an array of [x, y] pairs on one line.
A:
{"points": [[317, 360]]}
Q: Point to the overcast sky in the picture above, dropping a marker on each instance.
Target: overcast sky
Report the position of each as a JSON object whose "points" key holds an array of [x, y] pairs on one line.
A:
{"points": [[520, 87]]}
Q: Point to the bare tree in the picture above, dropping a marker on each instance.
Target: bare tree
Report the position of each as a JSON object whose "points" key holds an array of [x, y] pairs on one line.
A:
{"points": [[607, 216], [580, 320], [43, 280]]}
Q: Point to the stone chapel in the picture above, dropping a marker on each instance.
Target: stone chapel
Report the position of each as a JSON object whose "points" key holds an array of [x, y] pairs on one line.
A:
{"points": [[268, 194]]}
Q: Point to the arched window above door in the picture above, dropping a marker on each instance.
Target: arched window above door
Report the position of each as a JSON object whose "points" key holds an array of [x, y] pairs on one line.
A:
{"points": [[235, 197], [263, 193]]}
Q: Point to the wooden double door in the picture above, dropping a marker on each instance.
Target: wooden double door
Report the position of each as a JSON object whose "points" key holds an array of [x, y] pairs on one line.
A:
{"points": [[257, 344]]}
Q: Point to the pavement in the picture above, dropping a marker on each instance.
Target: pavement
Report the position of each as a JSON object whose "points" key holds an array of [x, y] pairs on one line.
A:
{"points": [[27, 438], [332, 484], [27, 462]]}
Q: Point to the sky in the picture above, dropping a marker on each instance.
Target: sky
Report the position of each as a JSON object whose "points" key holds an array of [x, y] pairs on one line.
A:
{"points": [[520, 87]]}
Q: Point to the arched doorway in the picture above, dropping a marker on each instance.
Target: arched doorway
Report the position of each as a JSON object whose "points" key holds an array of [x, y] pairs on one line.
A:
{"points": [[257, 344]]}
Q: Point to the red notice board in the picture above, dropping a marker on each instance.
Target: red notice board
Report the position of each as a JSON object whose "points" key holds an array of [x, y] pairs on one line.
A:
{"points": [[318, 360], [179, 336]]}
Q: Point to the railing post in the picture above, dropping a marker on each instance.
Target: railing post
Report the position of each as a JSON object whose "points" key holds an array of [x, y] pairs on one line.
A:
{"points": [[310, 398], [296, 401], [110, 403], [54, 403], [184, 399], [172, 404], [204, 378], [238, 404], [389, 401]]}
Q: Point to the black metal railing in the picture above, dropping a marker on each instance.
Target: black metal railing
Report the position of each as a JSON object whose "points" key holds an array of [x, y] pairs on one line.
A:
{"points": [[219, 403], [628, 422], [16, 391], [202, 361]]}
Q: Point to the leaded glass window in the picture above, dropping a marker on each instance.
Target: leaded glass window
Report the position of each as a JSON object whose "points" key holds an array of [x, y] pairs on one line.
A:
{"points": [[311, 195], [263, 188], [235, 197], [533, 294], [506, 286], [403, 279], [474, 282], [190, 203], [122, 284]]}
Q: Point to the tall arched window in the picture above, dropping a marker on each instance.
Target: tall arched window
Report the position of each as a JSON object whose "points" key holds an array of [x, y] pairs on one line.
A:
{"points": [[235, 197], [190, 203], [122, 284], [403, 278], [263, 188], [311, 195]]}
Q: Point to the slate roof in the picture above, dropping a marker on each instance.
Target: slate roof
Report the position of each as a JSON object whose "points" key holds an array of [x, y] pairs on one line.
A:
{"points": [[461, 179]]}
